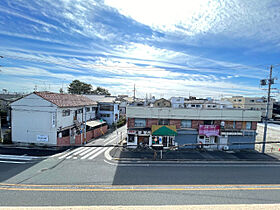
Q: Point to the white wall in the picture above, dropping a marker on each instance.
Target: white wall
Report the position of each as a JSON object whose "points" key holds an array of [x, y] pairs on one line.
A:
{"points": [[110, 120], [64, 121], [33, 116], [194, 114]]}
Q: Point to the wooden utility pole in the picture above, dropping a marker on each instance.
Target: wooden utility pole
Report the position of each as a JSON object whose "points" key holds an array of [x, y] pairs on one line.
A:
{"points": [[270, 82], [134, 90]]}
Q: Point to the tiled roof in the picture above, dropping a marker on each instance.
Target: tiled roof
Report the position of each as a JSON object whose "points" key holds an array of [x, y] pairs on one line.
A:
{"points": [[66, 100]]}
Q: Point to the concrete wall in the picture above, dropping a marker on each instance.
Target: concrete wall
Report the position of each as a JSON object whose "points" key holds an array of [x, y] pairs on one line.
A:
{"points": [[272, 134], [33, 116], [193, 114]]}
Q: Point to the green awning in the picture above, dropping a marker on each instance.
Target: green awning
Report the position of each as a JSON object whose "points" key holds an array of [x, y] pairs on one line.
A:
{"points": [[164, 131]]}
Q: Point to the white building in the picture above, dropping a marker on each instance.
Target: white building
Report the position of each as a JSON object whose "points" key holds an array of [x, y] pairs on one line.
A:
{"points": [[177, 102], [53, 119], [108, 108]]}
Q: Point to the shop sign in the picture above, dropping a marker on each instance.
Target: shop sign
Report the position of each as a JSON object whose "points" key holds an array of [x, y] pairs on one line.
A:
{"points": [[209, 130], [131, 132], [231, 133]]}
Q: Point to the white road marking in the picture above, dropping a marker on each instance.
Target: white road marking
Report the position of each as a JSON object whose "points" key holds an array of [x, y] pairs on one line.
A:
{"points": [[92, 152], [16, 162], [98, 153], [18, 157], [69, 153]]}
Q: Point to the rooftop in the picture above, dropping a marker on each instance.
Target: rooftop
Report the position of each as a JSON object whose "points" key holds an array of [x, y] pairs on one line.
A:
{"points": [[66, 100]]}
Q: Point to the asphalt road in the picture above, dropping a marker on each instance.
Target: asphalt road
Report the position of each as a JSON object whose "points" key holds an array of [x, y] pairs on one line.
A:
{"points": [[82, 179]]}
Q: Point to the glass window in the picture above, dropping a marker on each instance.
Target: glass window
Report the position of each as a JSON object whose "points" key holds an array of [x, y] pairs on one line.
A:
{"points": [[248, 125], [66, 112], [80, 111], [192, 105], [87, 109], [140, 122], [104, 115], [186, 123], [106, 108], [163, 122], [92, 108], [208, 122]]}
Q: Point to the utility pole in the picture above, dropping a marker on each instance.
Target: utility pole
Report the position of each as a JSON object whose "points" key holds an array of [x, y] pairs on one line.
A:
{"points": [[270, 82], [134, 90]]}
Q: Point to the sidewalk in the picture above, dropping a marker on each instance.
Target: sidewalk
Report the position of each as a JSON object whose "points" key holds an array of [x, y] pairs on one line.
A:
{"points": [[192, 155]]}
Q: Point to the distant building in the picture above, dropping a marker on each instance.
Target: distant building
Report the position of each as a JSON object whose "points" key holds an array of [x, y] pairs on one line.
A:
{"points": [[55, 119], [177, 102], [252, 103], [108, 108], [216, 128], [162, 103]]}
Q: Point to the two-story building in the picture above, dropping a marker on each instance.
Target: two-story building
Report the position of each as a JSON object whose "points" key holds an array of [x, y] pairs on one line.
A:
{"points": [[55, 119], [108, 108], [177, 102], [214, 128]]}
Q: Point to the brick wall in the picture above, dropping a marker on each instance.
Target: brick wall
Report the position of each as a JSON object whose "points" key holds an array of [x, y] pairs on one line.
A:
{"points": [[254, 125], [150, 122], [78, 139], [177, 123], [238, 125], [130, 122], [64, 141], [196, 123], [100, 131]]}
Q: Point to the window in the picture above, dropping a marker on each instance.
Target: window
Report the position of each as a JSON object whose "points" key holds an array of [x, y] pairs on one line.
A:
{"points": [[104, 115], [197, 106], [106, 108], [248, 125], [80, 111], [163, 122], [214, 106], [87, 109], [239, 100], [186, 124], [201, 137], [140, 123], [252, 100], [66, 112], [92, 108], [208, 122], [192, 105], [233, 125], [130, 138]]}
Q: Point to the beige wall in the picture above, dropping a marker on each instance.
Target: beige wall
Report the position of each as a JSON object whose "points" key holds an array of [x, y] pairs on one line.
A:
{"points": [[251, 103]]}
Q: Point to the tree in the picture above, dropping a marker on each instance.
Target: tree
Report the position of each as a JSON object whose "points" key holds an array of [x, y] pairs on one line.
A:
{"points": [[101, 91], [60, 90], [78, 87]]}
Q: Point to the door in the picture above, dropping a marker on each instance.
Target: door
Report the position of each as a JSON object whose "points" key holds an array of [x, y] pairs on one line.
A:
{"points": [[72, 136]]}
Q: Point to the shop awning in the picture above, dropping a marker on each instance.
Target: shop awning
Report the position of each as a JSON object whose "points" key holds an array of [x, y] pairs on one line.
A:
{"points": [[94, 123], [164, 130]]}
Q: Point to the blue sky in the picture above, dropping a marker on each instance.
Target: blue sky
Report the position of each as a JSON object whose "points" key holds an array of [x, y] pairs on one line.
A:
{"points": [[167, 48]]}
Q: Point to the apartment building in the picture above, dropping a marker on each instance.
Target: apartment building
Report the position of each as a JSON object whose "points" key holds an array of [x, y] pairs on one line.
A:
{"points": [[252, 103], [55, 119], [216, 128]]}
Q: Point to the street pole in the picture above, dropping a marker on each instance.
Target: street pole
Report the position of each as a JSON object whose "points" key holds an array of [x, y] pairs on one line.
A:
{"points": [[267, 109], [85, 128]]}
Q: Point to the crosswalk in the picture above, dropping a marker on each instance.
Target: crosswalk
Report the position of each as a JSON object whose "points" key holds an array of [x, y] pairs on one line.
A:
{"points": [[88, 152], [18, 159]]}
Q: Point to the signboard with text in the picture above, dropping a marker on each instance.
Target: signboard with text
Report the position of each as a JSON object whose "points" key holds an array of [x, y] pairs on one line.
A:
{"points": [[209, 130], [42, 138]]}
